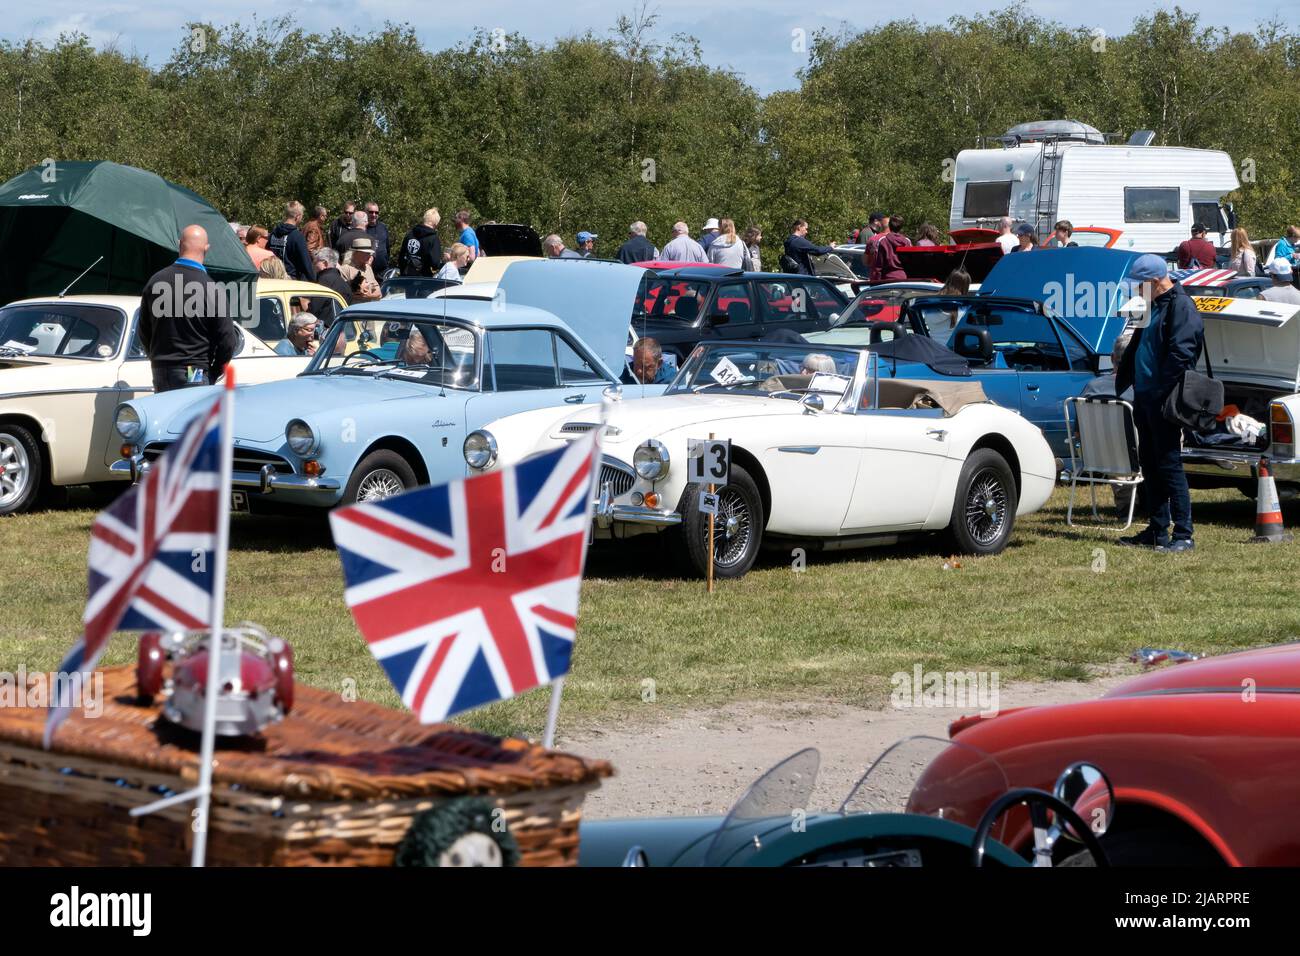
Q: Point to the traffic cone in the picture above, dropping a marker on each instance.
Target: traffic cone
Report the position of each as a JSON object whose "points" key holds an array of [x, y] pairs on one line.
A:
{"points": [[1268, 510]]}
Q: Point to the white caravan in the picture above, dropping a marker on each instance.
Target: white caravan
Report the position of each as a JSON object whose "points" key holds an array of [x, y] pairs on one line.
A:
{"points": [[1062, 169]]}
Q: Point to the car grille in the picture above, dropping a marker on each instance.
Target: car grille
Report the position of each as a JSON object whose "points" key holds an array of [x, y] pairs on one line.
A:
{"points": [[246, 459], [619, 476]]}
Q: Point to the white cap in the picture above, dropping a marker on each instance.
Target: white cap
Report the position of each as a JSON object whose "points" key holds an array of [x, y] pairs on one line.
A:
{"points": [[711, 224], [1279, 267]]}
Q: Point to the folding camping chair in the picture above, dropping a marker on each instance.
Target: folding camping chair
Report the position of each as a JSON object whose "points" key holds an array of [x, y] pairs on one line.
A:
{"points": [[1108, 450]]}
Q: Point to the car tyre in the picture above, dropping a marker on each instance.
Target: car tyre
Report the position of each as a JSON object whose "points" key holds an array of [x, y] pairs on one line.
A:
{"points": [[1147, 847], [984, 510], [22, 469], [740, 507], [381, 474]]}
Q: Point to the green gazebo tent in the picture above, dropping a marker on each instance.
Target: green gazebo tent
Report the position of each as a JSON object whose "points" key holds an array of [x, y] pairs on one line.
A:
{"points": [[58, 218]]}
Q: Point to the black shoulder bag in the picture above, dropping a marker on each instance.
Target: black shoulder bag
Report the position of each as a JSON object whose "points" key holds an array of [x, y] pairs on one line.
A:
{"points": [[1197, 399]]}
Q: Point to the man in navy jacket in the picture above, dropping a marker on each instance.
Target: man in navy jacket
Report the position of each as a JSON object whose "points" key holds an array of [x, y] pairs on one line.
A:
{"points": [[1153, 365]]}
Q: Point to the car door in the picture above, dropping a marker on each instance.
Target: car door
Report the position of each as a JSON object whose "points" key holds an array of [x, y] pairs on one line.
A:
{"points": [[1048, 368], [794, 305], [734, 302], [525, 369], [900, 470]]}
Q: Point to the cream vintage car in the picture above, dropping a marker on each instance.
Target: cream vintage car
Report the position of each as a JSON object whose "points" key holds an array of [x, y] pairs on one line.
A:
{"points": [[65, 365], [825, 453]]}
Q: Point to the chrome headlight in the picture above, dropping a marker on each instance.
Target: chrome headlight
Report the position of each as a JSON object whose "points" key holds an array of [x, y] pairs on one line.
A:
{"points": [[128, 423], [302, 440], [480, 449], [651, 460]]}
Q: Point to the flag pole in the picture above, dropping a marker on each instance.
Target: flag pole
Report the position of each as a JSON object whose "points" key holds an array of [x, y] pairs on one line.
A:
{"points": [[210, 695], [557, 686]]}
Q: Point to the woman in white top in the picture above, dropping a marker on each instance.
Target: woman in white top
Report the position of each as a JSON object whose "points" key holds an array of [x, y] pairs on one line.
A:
{"points": [[728, 250], [458, 259], [1243, 253]]}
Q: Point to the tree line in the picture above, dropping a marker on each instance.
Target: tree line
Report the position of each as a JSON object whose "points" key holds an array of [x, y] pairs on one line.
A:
{"points": [[597, 130]]}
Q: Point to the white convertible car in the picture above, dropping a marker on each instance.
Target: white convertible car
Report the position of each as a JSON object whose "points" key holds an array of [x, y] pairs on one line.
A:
{"points": [[824, 452], [67, 362]]}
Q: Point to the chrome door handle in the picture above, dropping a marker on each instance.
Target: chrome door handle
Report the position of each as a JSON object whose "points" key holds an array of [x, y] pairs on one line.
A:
{"points": [[1031, 388], [938, 434], [576, 399]]}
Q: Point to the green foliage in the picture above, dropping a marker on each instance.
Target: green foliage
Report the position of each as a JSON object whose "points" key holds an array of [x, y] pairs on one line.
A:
{"points": [[594, 131]]}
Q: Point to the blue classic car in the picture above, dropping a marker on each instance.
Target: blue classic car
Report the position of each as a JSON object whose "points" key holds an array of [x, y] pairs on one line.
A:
{"points": [[1040, 328], [396, 385]]}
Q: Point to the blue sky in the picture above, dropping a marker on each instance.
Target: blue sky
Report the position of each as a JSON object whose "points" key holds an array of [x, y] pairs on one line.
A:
{"points": [[756, 38]]}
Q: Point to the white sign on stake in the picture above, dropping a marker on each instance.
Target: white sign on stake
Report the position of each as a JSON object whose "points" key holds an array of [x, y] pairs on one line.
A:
{"points": [[708, 503], [708, 460]]}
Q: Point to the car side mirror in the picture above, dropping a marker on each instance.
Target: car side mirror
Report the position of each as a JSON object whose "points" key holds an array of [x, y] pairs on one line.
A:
{"points": [[1087, 789], [719, 318], [812, 403], [973, 343]]}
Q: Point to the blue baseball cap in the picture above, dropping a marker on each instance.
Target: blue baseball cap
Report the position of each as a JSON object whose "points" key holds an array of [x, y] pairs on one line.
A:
{"points": [[1148, 267], [585, 236]]}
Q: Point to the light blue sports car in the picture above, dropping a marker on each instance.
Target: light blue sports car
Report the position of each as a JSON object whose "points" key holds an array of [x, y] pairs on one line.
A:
{"points": [[396, 385]]}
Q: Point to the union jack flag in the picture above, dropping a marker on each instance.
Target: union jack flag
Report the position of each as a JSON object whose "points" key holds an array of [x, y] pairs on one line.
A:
{"points": [[1197, 276], [151, 561], [467, 592]]}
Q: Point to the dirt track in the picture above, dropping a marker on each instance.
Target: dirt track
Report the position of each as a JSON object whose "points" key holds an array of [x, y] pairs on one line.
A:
{"points": [[701, 761]]}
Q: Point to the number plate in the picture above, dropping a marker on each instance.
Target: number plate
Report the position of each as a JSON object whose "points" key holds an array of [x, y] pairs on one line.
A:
{"points": [[239, 502], [709, 460]]}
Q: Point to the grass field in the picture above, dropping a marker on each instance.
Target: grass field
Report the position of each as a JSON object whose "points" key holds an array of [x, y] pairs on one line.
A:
{"points": [[1056, 602]]}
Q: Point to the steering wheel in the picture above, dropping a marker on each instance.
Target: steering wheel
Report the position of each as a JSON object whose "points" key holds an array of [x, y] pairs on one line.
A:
{"points": [[365, 354], [1038, 802], [1029, 355]]}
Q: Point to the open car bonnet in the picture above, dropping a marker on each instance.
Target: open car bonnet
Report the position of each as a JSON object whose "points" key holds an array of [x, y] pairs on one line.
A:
{"points": [[593, 298], [1086, 287]]}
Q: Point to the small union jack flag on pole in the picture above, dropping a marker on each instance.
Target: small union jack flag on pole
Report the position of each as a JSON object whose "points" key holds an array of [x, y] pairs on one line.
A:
{"points": [[467, 592], [152, 563]]}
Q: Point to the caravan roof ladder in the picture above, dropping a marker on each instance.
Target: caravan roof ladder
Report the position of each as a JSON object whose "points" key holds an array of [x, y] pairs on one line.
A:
{"points": [[1049, 162]]}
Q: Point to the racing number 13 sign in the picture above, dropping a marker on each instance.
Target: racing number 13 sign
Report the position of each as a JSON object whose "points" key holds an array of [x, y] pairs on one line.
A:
{"points": [[709, 460]]}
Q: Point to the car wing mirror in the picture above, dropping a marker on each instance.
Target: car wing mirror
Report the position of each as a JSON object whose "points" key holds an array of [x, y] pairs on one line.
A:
{"points": [[1087, 789], [719, 318]]}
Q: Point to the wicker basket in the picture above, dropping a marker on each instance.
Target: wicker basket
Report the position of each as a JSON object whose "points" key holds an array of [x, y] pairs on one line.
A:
{"points": [[335, 784]]}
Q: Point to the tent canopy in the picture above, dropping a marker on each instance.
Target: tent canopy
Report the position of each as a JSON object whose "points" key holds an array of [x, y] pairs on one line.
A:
{"points": [[56, 219]]}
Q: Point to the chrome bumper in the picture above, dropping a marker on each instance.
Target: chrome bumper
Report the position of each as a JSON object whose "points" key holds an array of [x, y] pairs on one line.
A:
{"points": [[263, 481], [607, 513], [1237, 464]]}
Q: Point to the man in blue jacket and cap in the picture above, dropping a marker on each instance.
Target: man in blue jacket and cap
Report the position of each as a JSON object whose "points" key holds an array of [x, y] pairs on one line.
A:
{"points": [[1153, 365]]}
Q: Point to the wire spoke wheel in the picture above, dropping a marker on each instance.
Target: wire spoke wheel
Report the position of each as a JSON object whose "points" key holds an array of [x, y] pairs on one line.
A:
{"points": [[378, 484], [733, 528], [986, 506], [15, 470]]}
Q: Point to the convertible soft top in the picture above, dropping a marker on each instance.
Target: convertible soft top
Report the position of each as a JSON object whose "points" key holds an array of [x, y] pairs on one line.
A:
{"points": [[952, 397], [923, 350]]}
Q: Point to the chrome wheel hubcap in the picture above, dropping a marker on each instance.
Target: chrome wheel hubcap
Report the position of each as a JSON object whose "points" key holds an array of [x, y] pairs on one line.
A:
{"points": [[380, 483], [986, 507], [15, 470]]}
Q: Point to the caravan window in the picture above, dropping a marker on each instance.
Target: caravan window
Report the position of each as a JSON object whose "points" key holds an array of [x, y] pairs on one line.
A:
{"points": [[1207, 214], [1151, 204], [986, 200]]}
